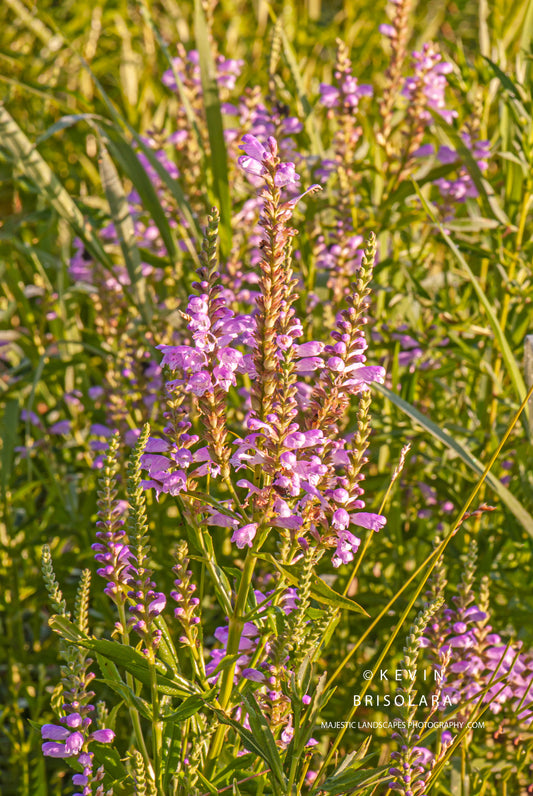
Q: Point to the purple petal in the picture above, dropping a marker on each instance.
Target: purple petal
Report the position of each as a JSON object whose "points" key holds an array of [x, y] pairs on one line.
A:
{"points": [[54, 732], [51, 749], [103, 736], [157, 605], [74, 743]]}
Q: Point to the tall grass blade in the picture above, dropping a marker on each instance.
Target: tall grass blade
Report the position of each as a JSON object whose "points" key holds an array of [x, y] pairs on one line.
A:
{"points": [[514, 505], [215, 128], [510, 362], [171, 183], [37, 170], [125, 229], [125, 156]]}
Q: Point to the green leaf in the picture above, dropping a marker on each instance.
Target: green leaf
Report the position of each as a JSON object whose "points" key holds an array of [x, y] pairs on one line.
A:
{"points": [[248, 739], [113, 680], [350, 780], [506, 81], [189, 707], [320, 590], [263, 734], [8, 435], [509, 360], [173, 753], [123, 222], [206, 783], [226, 661], [215, 128], [126, 157], [468, 458], [65, 122], [134, 662], [108, 757]]}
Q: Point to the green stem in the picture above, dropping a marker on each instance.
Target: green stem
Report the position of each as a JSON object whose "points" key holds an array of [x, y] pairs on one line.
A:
{"points": [[236, 624], [292, 773], [506, 304], [157, 728], [134, 713]]}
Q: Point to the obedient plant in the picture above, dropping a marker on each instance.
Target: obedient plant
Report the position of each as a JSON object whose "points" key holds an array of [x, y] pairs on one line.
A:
{"points": [[279, 477], [71, 739], [254, 452], [130, 392], [246, 400], [477, 676]]}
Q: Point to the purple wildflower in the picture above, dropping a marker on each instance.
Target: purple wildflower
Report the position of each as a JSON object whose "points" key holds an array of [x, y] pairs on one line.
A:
{"points": [[429, 81]]}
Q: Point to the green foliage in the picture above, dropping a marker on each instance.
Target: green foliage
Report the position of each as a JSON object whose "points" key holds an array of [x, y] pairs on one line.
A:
{"points": [[81, 90]]}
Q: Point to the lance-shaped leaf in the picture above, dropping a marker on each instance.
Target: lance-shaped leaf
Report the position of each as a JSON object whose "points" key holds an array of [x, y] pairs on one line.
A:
{"points": [[353, 781], [124, 227], [320, 591], [128, 160], [168, 682], [514, 505], [215, 128], [249, 740], [113, 680], [263, 734]]}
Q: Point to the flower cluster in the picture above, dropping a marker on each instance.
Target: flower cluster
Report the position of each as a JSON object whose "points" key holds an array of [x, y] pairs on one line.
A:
{"points": [[186, 67], [485, 669], [186, 611], [462, 187], [71, 739], [298, 456], [428, 84], [478, 668]]}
